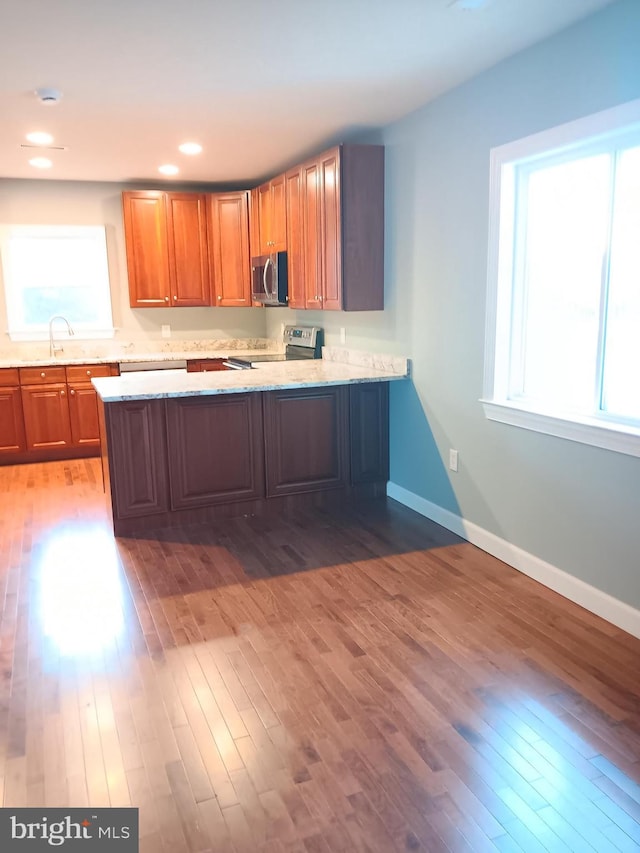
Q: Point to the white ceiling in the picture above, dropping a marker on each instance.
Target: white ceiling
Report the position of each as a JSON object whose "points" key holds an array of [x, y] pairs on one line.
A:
{"points": [[259, 83]]}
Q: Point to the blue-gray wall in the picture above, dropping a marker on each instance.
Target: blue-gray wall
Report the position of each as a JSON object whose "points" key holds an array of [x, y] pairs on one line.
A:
{"points": [[573, 505]]}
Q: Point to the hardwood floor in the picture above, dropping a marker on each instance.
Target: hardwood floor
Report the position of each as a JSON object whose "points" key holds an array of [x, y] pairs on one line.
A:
{"points": [[330, 682]]}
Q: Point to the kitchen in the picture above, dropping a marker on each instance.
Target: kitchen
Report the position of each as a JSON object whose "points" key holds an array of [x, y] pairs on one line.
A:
{"points": [[436, 233]]}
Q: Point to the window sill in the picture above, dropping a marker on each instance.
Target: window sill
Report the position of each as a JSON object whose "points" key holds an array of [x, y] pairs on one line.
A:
{"points": [[620, 438]]}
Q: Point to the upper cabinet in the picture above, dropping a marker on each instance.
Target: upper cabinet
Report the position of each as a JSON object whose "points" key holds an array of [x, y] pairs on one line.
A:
{"points": [[335, 227], [229, 247], [167, 254], [272, 217]]}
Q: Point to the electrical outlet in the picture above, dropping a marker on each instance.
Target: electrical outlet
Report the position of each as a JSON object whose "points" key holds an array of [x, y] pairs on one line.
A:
{"points": [[453, 460], [343, 335], [166, 331]]}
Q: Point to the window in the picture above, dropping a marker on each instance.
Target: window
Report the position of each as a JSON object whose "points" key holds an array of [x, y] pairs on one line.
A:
{"points": [[55, 269], [563, 306]]}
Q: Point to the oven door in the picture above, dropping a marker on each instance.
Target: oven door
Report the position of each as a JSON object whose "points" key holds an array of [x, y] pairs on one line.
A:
{"points": [[269, 279]]}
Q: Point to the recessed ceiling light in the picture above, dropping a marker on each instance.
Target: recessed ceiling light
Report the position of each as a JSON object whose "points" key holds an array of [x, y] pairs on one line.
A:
{"points": [[168, 169], [41, 163], [190, 148], [39, 137]]}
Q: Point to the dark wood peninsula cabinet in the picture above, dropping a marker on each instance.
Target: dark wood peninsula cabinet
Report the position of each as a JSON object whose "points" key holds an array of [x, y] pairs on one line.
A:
{"points": [[214, 449], [306, 439], [192, 458]]}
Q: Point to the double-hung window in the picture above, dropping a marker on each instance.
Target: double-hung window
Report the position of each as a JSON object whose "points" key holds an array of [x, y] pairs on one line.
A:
{"points": [[52, 270], [563, 306]]}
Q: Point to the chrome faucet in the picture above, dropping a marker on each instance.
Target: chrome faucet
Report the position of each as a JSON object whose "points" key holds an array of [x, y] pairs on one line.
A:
{"points": [[53, 347]]}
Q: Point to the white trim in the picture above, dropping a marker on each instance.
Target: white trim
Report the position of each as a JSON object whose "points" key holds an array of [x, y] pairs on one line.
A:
{"points": [[595, 600], [610, 436]]}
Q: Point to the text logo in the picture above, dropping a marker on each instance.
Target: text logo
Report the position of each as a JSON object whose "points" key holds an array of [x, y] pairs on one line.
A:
{"points": [[35, 830]]}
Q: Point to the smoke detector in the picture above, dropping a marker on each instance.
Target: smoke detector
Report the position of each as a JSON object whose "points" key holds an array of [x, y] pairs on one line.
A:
{"points": [[48, 97]]}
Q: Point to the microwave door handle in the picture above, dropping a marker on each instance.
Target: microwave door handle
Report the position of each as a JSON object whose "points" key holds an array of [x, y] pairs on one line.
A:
{"points": [[264, 278]]}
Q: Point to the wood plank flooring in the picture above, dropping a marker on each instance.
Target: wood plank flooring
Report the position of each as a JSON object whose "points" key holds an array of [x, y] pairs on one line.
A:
{"points": [[359, 681]]}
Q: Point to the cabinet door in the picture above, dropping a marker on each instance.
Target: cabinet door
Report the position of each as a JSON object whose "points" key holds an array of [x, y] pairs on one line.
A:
{"points": [[278, 228], [187, 244], [12, 439], [255, 248], [306, 437], [215, 449], [136, 454], [331, 242], [369, 432], [145, 231], [311, 254], [295, 253], [83, 415], [229, 229], [264, 218], [46, 416]]}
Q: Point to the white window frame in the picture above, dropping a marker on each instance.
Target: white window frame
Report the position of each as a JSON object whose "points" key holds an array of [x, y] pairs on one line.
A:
{"points": [[594, 131], [97, 273]]}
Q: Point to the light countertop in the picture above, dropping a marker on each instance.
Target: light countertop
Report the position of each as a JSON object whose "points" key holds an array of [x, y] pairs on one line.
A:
{"points": [[337, 367]]}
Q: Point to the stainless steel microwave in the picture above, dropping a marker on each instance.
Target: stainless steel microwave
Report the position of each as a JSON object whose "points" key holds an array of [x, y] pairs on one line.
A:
{"points": [[269, 279]]}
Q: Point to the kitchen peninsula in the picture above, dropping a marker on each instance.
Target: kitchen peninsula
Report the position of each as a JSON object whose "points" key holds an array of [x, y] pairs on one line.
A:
{"points": [[180, 448]]}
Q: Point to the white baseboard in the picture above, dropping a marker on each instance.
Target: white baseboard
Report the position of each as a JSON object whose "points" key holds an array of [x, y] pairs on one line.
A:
{"points": [[595, 600]]}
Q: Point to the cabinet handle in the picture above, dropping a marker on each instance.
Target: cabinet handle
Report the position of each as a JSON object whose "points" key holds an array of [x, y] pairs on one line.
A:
{"points": [[88, 373], [166, 299], [72, 391], [43, 374], [219, 298], [175, 298], [62, 393]]}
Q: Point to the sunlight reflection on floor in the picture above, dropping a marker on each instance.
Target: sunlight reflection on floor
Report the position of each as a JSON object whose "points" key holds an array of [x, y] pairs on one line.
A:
{"points": [[81, 606]]}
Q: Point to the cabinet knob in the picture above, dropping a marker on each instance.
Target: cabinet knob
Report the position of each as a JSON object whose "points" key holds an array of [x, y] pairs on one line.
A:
{"points": [[219, 298], [175, 298], [62, 393], [88, 373], [72, 391], [43, 374], [166, 299]]}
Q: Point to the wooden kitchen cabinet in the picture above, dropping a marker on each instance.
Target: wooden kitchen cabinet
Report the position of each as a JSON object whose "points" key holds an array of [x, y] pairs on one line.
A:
{"points": [[369, 432], [335, 209], [167, 249], [306, 439], [272, 216], [51, 412], [45, 407], [215, 450], [229, 246], [12, 437], [295, 259], [203, 365], [137, 458], [83, 402]]}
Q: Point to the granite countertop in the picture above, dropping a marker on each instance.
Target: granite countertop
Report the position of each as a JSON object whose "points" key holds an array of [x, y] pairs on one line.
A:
{"points": [[38, 354], [337, 367]]}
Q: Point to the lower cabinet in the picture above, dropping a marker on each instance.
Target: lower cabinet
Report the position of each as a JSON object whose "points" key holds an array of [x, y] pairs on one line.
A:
{"points": [[137, 454], [170, 460], [306, 439], [12, 438], [203, 365], [49, 412], [215, 449]]}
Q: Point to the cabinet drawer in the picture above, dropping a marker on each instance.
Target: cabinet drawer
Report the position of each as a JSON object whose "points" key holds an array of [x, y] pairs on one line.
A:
{"points": [[41, 375], [86, 372], [9, 376]]}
